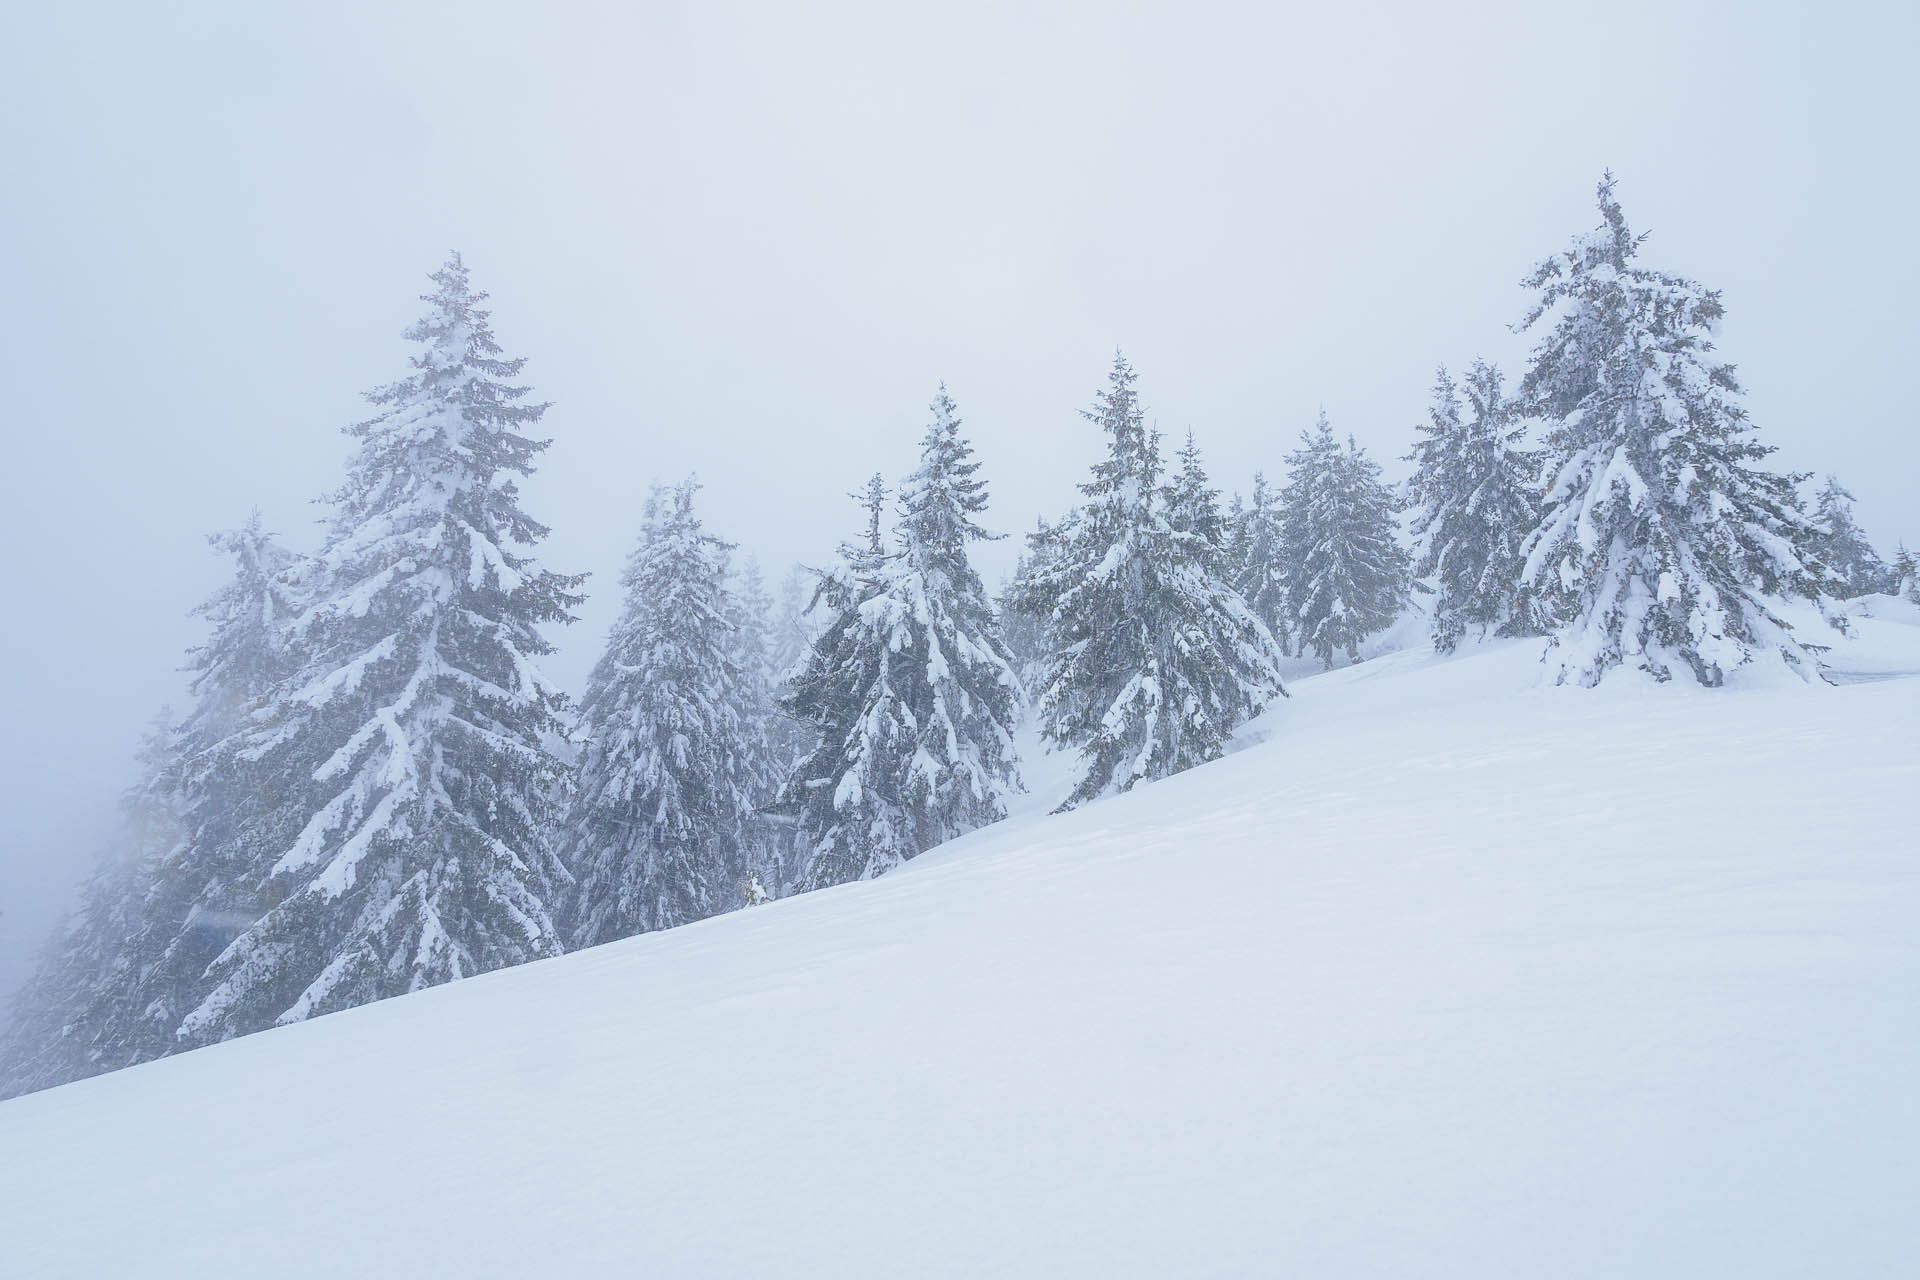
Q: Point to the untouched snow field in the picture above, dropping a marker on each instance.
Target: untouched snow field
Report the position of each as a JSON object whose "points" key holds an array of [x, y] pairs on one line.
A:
{"points": [[1450, 976]]}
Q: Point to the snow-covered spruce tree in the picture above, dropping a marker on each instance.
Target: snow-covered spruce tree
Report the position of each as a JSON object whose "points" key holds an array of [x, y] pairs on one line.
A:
{"points": [[870, 552], [1193, 505], [793, 631], [791, 741], [1023, 612], [1843, 547], [1258, 559], [1349, 575], [207, 889], [80, 1012], [49, 1039], [763, 760], [910, 687], [1236, 527], [1905, 572], [1662, 540], [664, 783], [763, 747], [1473, 496], [962, 691], [247, 653], [177, 885], [1155, 659], [825, 694], [408, 750]]}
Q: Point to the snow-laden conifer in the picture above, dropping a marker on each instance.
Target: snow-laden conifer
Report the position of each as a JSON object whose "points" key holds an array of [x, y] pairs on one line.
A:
{"points": [[407, 752], [1258, 559], [180, 882], [1663, 542], [80, 1012], [844, 829], [791, 740], [764, 762], [1236, 531], [869, 552], [750, 610], [664, 781], [910, 687], [1193, 506], [1842, 545], [792, 629], [1024, 609], [1349, 575], [1905, 572], [247, 652], [1472, 492], [965, 695], [1156, 659], [211, 885]]}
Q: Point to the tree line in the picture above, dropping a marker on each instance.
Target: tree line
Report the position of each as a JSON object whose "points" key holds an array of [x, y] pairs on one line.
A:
{"points": [[376, 790]]}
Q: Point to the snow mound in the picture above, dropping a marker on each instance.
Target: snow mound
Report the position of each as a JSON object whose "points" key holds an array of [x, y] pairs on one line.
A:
{"points": [[1883, 641], [1449, 975]]}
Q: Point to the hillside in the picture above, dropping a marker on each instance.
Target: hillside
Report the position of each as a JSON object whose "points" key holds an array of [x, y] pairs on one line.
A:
{"points": [[1448, 975]]}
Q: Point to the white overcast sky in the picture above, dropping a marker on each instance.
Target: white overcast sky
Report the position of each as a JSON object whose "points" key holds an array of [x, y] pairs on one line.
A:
{"points": [[749, 241]]}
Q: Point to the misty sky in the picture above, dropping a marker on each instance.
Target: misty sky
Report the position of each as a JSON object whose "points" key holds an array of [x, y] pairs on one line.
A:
{"points": [[750, 240]]}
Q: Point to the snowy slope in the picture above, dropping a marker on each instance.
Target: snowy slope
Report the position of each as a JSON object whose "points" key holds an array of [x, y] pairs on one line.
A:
{"points": [[1451, 976]]}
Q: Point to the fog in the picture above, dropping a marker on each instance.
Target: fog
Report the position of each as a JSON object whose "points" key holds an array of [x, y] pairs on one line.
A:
{"points": [[749, 241]]}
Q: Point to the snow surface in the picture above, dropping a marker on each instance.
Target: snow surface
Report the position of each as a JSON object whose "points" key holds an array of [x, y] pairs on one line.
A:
{"points": [[1451, 975]]}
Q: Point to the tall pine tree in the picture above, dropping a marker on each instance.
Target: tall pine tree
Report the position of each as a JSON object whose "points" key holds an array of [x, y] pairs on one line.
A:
{"points": [[1023, 625], [791, 740], [1905, 572], [408, 751], [1258, 559], [1663, 542], [178, 885], [1349, 574], [1156, 659], [792, 631], [870, 551], [665, 780], [209, 888], [1843, 546], [1193, 506], [911, 687], [80, 1012], [1473, 504], [763, 755]]}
